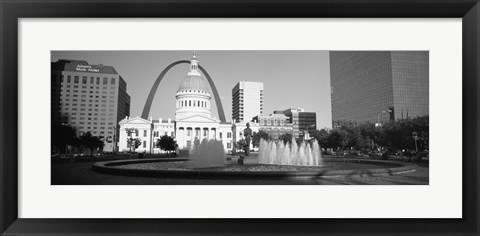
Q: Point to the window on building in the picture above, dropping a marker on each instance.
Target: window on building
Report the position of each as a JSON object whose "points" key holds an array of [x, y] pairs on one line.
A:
{"points": [[204, 132], [98, 81], [229, 135], [84, 79], [75, 79], [69, 78], [189, 103], [92, 81], [105, 80], [112, 81], [145, 133], [136, 133], [189, 132], [198, 103], [220, 135], [229, 145], [144, 144]]}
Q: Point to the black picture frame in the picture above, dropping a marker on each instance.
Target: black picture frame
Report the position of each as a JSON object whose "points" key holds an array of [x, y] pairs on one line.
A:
{"points": [[12, 10]]}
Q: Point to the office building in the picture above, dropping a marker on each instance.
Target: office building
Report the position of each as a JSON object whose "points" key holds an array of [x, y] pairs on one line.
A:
{"points": [[247, 100], [274, 124], [302, 121], [91, 98], [377, 86]]}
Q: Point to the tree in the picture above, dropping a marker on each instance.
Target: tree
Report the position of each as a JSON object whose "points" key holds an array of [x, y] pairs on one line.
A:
{"points": [[90, 142], [257, 136], [352, 138], [398, 135], [241, 144], [286, 138], [63, 135], [322, 137], [166, 143], [370, 135], [337, 139], [133, 143]]}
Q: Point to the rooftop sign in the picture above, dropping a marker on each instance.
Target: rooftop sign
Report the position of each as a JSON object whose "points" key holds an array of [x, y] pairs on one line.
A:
{"points": [[87, 68]]}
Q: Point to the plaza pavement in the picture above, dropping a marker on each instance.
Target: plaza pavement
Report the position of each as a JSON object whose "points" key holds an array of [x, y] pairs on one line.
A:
{"points": [[80, 173]]}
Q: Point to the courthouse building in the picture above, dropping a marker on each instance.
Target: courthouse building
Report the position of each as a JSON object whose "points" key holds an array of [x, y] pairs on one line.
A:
{"points": [[193, 119], [90, 98]]}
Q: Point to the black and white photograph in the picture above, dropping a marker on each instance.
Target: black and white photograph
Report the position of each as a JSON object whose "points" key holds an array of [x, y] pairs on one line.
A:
{"points": [[240, 117]]}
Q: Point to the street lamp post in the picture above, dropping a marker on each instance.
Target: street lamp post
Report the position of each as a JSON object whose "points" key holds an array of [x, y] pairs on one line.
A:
{"points": [[129, 133], [114, 139], [415, 137], [378, 117]]}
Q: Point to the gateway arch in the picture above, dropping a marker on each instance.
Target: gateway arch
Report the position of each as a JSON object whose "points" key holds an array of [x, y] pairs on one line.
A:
{"points": [[151, 95]]}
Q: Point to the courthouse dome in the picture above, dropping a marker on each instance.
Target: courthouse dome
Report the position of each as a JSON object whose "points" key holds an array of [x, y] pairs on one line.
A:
{"points": [[194, 83]]}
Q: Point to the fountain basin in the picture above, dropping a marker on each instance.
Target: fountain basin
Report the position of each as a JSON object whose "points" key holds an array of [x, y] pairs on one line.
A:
{"points": [[178, 168]]}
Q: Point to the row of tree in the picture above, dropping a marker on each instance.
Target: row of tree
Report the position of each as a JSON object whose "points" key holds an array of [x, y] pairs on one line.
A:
{"points": [[165, 143], [64, 136], [403, 134]]}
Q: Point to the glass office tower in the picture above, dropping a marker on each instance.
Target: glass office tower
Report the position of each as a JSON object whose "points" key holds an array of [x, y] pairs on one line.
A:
{"points": [[377, 86]]}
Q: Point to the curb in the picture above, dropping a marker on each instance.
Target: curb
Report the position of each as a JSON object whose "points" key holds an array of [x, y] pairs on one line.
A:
{"points": [[110, 167]]}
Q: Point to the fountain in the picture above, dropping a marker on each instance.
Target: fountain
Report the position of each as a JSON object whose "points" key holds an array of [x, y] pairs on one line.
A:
{"points": [[279, 153], [209, 153], [275, 159]]}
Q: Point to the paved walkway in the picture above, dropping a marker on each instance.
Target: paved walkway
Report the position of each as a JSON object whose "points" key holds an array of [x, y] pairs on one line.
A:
{"points": [[81, 174]]}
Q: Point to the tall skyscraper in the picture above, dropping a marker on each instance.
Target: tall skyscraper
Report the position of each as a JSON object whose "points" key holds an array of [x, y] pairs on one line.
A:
{"points": [[373, 86], [91, 98], [247, 100]]}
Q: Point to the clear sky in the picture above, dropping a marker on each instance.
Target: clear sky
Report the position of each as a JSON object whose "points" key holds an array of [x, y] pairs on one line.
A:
{"points": [[291, 78]]}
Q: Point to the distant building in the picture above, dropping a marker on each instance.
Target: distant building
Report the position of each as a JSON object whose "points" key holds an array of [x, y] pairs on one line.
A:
{"points": [[91, 98], [301, 120], [274, 124], [377, 86], [247, 100]]}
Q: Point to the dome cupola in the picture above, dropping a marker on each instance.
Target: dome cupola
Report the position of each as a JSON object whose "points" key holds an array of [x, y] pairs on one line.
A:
{"points": [[193, 94], [194, 82]]}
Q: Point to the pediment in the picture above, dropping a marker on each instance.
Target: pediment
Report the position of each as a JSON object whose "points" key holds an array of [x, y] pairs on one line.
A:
{"points": [[198, 118], [136, 120]]}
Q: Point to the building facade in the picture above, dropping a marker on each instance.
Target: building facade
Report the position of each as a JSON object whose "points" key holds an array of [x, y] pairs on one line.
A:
{"points": [[91, 98], [148, 131], [377, 86], [247, 100], [193, 118], [274, 124], [302, 121]]}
